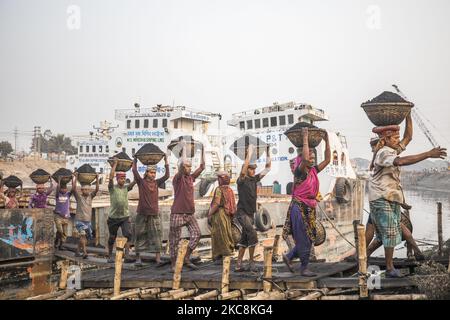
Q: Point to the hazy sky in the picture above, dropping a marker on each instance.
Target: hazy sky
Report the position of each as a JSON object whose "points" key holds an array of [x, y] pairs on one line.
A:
{"points": [[222, 56]]}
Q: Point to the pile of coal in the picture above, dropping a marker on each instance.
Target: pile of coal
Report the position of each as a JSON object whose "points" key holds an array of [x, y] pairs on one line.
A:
{"points": [[40, 173], [387, 97], [300, 126], [86, 168], [12, 182], [149, 148], [122, 156]]}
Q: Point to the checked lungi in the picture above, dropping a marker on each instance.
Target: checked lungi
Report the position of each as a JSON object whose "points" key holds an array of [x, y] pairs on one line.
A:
{"points": [[177, 221]]}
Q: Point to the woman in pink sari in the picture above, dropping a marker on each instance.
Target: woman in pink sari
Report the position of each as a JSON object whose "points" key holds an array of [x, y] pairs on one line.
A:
{"points": [[302, 211]]}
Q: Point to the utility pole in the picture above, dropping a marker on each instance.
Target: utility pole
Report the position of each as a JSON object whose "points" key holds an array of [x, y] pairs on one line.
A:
{"points": [[16, 134]]}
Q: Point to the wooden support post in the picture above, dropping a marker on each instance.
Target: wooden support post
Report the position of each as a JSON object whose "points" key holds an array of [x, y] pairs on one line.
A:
{"points": [[207, 295], [232, 295], [64, 265], [439, 227], [362, 261], [120, 244], [276, 245], [355, 231], [267, 285], [179, 264], [226, 275], [97, 227], [167, 251]]}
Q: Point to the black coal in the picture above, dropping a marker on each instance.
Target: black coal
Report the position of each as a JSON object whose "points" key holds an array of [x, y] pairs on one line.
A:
{"points": [[86, 168], [387, 97]]}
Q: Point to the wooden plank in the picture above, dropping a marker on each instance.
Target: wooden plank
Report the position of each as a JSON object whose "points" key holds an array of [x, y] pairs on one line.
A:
{"points": [[120, 244]]}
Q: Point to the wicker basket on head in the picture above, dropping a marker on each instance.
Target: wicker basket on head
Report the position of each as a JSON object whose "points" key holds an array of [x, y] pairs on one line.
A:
{"points": [[40, 176], [86, 178], [321, 234], [123, 165], [295, 134], [12, 182], [384, 114]]}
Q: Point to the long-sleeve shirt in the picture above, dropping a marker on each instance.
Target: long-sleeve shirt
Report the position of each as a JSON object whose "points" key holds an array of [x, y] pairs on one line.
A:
{"points": [[148, 192]]}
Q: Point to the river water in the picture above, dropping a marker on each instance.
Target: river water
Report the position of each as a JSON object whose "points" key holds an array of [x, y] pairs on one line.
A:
{"points": [[423, 217]]}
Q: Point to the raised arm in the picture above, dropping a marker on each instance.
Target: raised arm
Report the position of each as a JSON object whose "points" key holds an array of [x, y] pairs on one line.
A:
{"points": [[327, 159], [131, 185], [137, 176], [202, 164], [247, 161], [74, 183], [305, 150], [409, 160], [268, 163], [97, 186], [166, 167], [50, 189], [112, 174], [407, 135]]}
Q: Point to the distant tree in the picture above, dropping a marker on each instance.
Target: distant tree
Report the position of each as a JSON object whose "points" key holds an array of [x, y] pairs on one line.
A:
{"points": [[59, 144], [5, 148]]}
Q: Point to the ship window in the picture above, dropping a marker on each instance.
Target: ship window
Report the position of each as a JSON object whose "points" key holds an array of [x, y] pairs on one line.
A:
{"points": [[257, 123], [87, 149], [136, 124], [155, 123], [128, 124], [274, 150], [290, 118], [145, 123], [124, 150], [107, 149], [265, 122], [175, 124], [343, 162], [335, 158], [164, 123], [100, 148], [291, 150], [93, 148], [242, 125], [81, 149], [282, 120], [249, 124], [133, 151], [273, 121]]}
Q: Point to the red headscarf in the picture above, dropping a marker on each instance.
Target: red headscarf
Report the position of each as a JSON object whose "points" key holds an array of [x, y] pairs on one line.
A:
{"points": [[229, 202]]}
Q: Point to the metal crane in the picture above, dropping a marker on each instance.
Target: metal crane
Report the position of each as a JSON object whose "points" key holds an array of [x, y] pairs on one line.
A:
{"points": [[415, 115]]}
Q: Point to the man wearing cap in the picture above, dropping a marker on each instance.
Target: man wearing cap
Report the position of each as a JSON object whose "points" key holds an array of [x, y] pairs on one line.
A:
{"points": [[246, 207], [183, 208], [119, 216], [148, 220], [83, 216], [385, 191]]}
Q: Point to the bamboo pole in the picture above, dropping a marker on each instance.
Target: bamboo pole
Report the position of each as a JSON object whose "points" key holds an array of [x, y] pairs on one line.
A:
{"points": [[208, 295], [167, 249], [169, 293], [179, 264], [120, 244], [68, 294], [439, 227], [315, 295], [46, 296], [340, 297], [184, 294], [126, 294], [97, 227], [399, 297], [355, 231], [272, 295], [276, 245], [291, 294], [226, 275], [267, 285], [231, 295], [64, 265], [362, 261]]}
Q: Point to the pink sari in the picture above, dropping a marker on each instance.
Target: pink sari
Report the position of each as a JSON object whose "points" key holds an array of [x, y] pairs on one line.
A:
{"points": [[307, 190]]}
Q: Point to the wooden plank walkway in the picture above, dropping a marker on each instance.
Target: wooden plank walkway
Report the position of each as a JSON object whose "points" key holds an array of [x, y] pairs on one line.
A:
{"points": [[209, 276]]}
